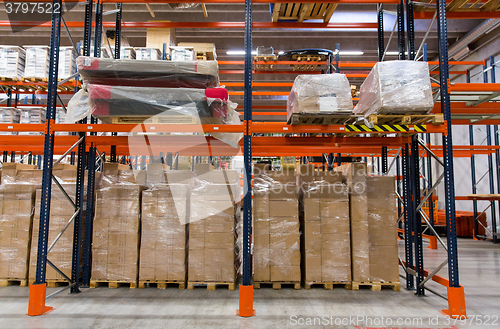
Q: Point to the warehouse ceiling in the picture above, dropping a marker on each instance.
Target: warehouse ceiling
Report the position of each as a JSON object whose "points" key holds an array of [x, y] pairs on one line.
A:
{"points": [[364, 40]]}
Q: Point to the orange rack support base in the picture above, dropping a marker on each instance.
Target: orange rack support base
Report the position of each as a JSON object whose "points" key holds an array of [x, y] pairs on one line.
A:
{"points": [[246, 301], [36, 304], [456, 303]]}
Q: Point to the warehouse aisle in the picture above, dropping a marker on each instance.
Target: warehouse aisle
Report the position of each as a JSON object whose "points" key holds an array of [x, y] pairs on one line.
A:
{"points": [[288, 308]]}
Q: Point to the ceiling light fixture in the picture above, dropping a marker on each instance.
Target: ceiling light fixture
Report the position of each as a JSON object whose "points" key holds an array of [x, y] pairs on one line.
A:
{"points": [[349, 53], [239, 52]]}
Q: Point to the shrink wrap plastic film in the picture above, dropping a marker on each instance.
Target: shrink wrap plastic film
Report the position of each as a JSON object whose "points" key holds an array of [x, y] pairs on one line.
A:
{"points": [[157, 105], [214, 205], [116, 227], [396, 87], [276, 226], [17, 192], [163, 252], [324, 93], [324, 215], [149, 73]]}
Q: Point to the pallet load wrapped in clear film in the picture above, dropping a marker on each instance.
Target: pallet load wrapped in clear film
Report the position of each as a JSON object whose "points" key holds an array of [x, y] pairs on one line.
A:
{"points": [[116, 226], [324, 217], [396, 87], [164, 218], [276, 227], [214, 207], [12, 62], [320, 94], [61, 212], [17, 193]]}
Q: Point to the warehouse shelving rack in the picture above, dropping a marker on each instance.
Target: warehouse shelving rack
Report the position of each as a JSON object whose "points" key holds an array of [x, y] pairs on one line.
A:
{"points": [[257, 145]]}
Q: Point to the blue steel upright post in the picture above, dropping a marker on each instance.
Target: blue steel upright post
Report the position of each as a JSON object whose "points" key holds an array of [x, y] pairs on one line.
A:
{"points": [[38, 290], [118, 37], [380, 32], [497, 151], [456, 296], [246, 289]]}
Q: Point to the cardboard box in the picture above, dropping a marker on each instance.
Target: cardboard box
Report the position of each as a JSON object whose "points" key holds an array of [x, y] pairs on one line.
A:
{"points": [[338, 273], [312, 236], [381, 193], [284, 208], [283, 225], [335, 226], [224, 176], [312, 266], [261, 207], [202, 168], [382, 228], [334, 208], [285, 273], [219, 240], [384, 265], [311, 210], [261, 231]]}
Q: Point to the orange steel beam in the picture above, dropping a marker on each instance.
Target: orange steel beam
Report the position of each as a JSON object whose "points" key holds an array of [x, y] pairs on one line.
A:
{"points": [[459, 15], [261, 93], [266, 113], [202, 25], [451, 72], [459, 62], [493, 87], [462, 108], [265, 107], [269, 72]]}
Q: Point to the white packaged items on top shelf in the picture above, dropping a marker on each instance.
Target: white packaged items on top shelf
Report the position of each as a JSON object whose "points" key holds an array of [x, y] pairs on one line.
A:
{"points": [[325, 94], [127, 53], [396, 87], [12, 61], [61, 118], [182, 54], [32, 115], [37, 62], [67, 62], [9, 115], [147, 54]]}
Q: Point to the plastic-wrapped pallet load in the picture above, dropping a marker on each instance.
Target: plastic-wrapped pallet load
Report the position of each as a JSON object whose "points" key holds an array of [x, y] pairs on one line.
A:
{"points": [[213, 207], [37, 62], [12, 62], [147, 54], [9, 115], [60, 214], [276, 226], [116, 231], [32, 115], [322, 94], [149, 73], [396, 87], [354, 174], [67, 62], [163, 252], [324, 216], [17, 191], [382, 229]]}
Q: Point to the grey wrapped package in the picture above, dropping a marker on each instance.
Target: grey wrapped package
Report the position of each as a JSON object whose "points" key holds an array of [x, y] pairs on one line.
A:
{"points": [[396, 87], [325, 93]]}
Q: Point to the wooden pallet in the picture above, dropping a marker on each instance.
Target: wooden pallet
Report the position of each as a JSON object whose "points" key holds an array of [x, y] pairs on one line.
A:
{"points": [[303, 11], [328, 285], [161, 284], [406, 119], [377, 286], [277, 285], [264, 58], [113, 284], [13, 282], [320, 119], [52, 283], [157, 119], [210, 285]]}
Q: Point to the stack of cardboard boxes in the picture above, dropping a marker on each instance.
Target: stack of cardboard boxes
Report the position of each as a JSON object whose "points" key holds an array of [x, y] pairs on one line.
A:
{"points": [[16, 213], [276, 226], [115, 249], [163, 234], [382, 217], [326, 249], [354, 174], [212, 225], [60, 214]]}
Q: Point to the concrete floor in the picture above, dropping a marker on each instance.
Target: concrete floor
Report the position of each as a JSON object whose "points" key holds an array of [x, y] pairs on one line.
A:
{"points": [[172, 308]]}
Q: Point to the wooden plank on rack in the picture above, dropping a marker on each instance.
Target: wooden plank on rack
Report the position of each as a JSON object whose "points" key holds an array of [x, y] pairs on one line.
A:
{"points": [[295, 11], [456, 4], [289, 7], [329, 12], [304, 10], [276, 12], [491, 5]]}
